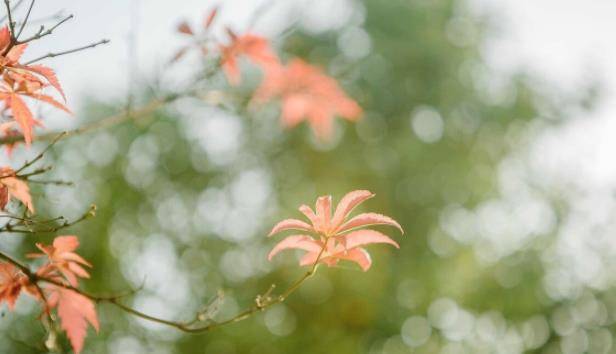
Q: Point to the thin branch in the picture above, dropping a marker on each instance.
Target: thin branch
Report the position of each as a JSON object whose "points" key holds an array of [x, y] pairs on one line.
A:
{"points": [[41, 32], [108, 121], [23, 25], [19, 228], [9, 14], [41, 154], [13, 8], [56, 182], [70, 51], [261, 303]]}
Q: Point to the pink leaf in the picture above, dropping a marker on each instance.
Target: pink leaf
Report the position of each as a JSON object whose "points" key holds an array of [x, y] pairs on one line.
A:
{"points": [[75, 311], [368, 219], [290, 224], [19, 190], [307, 211], [359, 256], [365, 237], [324, 212], [348, 203], [302, 242]]}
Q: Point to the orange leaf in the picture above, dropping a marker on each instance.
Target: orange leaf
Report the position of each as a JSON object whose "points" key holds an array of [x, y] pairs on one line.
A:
{"points": [[11, 284], [62, 258], [52, 101], [14, 188], [22, 115], [49, 75]]}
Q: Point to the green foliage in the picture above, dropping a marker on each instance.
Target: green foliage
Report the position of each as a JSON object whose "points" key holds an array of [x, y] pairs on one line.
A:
{"points": [[155, 186]]}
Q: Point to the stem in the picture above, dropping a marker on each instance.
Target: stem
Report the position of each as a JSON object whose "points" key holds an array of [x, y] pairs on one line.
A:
{"points": [[109, 121], [23, 25], [70, 51], [182, 326]]}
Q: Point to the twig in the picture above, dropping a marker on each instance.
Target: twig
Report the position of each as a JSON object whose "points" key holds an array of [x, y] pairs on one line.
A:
{"points": [[15, 7], [70, 51], [182, 326], [12, 227], [55, 182], [41, 32], [41, 154], [23, 25], [9, 14], [118, 118]]}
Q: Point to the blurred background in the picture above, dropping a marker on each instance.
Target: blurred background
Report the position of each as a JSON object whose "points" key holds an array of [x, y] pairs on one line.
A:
{"points": [[488, 134]]}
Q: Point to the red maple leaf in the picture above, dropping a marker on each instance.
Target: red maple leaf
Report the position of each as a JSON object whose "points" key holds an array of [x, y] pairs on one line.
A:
{"points": [[330, 237], [307, 94]]}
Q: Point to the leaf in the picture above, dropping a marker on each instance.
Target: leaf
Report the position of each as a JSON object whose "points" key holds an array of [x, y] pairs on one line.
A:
{"points": [[336, 242], [62, 258], [305, 91], [16, 52], [255, 48], [5, 38], [307, 211], [348, 203], [368, 219], [207, 22], [290, 224], [323, 209], [51, 101], [23, 116], [302, 242], [75, 312], [51, 77], [11, 284], [184, 28], [359, 256], [16, 188], [365, 237]]}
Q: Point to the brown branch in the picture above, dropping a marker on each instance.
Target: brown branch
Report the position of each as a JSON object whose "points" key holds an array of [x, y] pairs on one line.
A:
{"points": [[13, 8], [23, 24], [262, 302], [70, 51], [21, 228], [42, 32], [40, 155], [9, 14], [109, 121]]}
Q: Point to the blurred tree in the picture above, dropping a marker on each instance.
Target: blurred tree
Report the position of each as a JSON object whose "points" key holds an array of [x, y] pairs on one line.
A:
{"points": [[186, 197]]}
